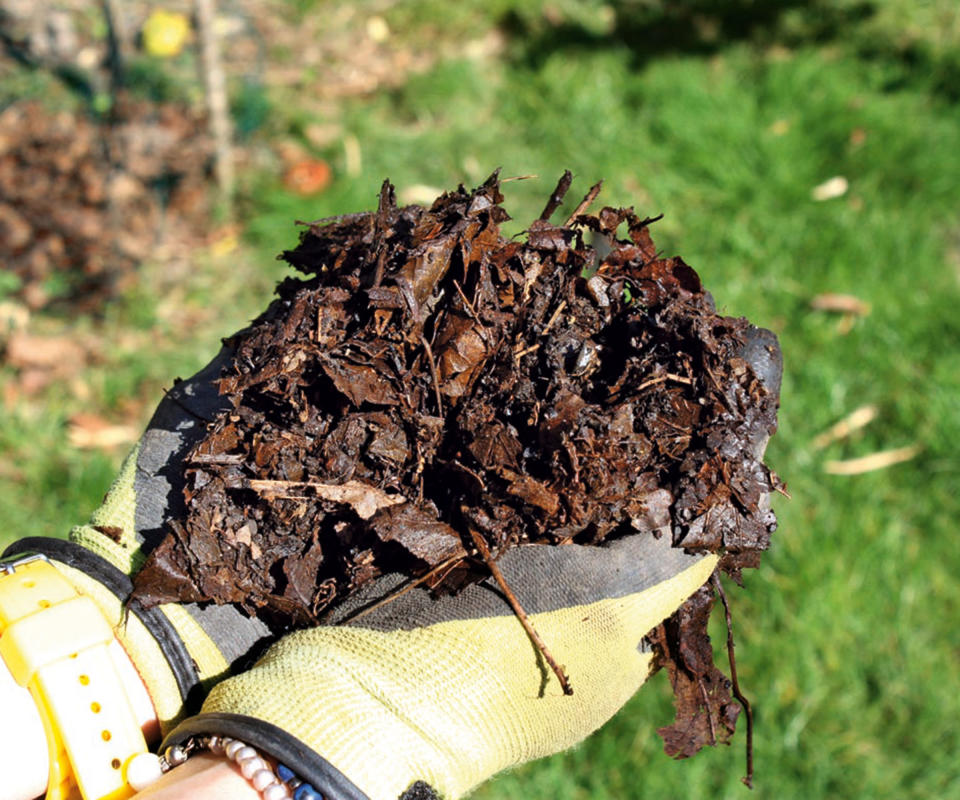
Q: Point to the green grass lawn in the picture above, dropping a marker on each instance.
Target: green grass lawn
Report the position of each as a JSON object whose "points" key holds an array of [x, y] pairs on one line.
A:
{"points": [[847, 634]]}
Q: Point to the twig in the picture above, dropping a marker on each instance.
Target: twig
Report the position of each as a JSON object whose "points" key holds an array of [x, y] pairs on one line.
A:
{"points": [[554, 317], [874, 461], [433, 373], [526, 350], [563, 185], [385, 203], [706, 704], [585, 203], [118, 45], [521, 614], [337, 218], [215, 458], [470, 308], [748, 778], [403, 590], [215, 85], [668, 377]]}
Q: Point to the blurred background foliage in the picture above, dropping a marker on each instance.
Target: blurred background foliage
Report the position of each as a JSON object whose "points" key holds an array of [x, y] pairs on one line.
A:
{"points": [[806, 156]]}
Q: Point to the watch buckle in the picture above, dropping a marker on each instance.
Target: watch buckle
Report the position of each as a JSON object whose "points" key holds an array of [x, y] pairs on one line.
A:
{"points": [[9, 567]]}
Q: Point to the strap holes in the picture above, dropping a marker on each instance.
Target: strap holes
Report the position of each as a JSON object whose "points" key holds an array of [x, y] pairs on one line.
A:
{"points": [[106, 736], [84, 680], [74, 655], [95, 708], [115, 763], [29, 584], [44, 604]]}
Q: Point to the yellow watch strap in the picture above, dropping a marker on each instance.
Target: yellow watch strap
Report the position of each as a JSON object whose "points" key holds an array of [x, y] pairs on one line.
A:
{"points": [[58, 645]]}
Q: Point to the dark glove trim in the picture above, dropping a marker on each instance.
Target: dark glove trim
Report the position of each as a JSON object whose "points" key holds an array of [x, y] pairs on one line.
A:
{"points": [[88, 562], [276, 742]]}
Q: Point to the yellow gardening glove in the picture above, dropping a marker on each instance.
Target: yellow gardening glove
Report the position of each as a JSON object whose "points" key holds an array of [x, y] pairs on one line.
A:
{"points": [[407, 695], [178, 649], [446, 692]]}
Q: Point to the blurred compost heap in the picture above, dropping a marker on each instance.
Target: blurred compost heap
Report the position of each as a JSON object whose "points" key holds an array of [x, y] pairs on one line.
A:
{"points": [[97, 176]]}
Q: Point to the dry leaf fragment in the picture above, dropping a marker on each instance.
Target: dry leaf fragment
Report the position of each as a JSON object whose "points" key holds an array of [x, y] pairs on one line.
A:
{"points": [[420, 532], [365, 499]]}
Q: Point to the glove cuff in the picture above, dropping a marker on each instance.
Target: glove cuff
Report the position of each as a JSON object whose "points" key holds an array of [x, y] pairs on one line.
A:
{"points": [[275, 742], [148, 635]]}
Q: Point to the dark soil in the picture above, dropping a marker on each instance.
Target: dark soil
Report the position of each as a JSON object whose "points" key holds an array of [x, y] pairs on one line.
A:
{"points": [[429, 381]]}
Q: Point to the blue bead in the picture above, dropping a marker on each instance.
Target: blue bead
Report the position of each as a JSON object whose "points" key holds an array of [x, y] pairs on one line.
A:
{"points": [[284, 772], [306, 792]]}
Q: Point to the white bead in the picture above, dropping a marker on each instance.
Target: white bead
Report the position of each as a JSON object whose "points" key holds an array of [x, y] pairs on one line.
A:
{"points": [[262, 779], [244, 753], [216, 745], [250, 766], [232, 748], [276, 791], [143, 770]]}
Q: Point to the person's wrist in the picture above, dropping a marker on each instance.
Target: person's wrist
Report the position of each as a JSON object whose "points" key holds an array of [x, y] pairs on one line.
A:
{"points": [[23, 744], [205, 777]]}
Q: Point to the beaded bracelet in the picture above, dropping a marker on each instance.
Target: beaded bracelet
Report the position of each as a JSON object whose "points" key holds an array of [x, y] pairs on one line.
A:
{"points": [[280, 785]]}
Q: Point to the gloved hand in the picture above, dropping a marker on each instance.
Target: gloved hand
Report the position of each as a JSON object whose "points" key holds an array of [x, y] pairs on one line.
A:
{"points": [[414, 693], [448, 692], [408, 695]]}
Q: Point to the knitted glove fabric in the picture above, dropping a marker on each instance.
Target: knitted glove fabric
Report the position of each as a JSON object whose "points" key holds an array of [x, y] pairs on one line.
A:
{"points": [[449, 691]]}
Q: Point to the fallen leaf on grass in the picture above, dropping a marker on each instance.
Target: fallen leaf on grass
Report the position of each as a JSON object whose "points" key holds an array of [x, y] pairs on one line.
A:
{"points": [[872, 462], [25, 351], [840, 303], [377, 29], [780, 127], [854, 421], [13, 317], [92, 432], [828, 190], [309, 176], [419, 193], [224, 241]]}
